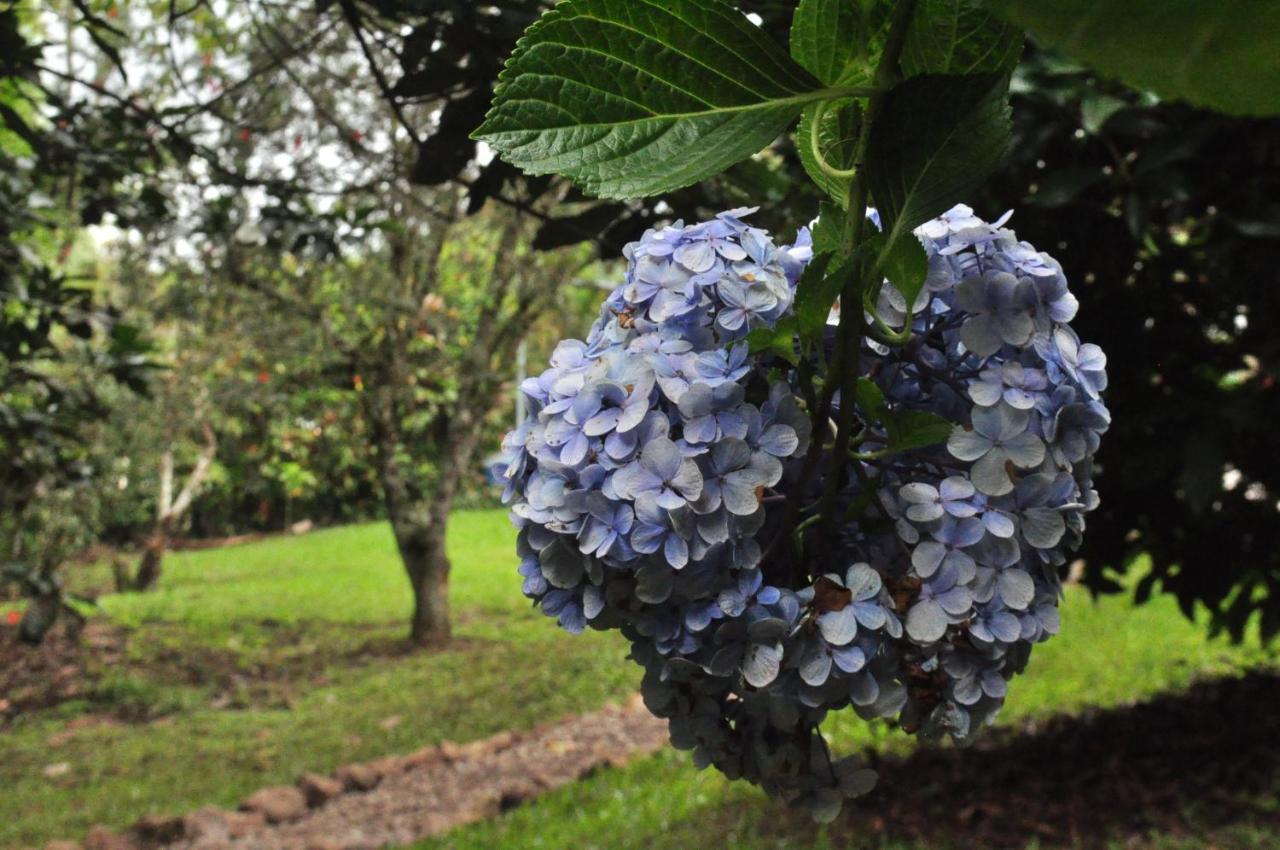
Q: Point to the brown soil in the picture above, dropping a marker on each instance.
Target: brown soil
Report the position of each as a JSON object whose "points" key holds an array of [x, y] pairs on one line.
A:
{"points": [[71, 664], [36, 677]]}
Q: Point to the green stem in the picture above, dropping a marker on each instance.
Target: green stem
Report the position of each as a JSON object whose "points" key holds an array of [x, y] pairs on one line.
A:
{"points": [[851, 316], [815, 147], [851, 313], [798, 534], [881, 331]]}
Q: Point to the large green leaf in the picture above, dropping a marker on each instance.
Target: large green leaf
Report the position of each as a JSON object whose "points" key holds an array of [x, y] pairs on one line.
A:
{"points": [[959, 37], [1223, 54], [779, 340], [915, 429], [836, 39], [815, 294], [935, 142], [637, 97], [828, 233], [905, 429], [870, 399]]}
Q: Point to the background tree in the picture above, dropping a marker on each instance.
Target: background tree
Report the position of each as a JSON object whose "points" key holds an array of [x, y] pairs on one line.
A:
{"points": [[179, 410], [237, 362], [438, 372], [425, 326]]}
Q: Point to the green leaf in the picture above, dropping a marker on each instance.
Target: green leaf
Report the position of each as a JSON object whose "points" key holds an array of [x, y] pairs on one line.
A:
{"points": [[869, 397], [915, 429], [828, 233], [1217, 53], [905, 264], [904, 429], [959, 37], [779, 340], [638, 97], [833, 39], [815, 293], [1097, 109], [935, 142], [837, 141]]}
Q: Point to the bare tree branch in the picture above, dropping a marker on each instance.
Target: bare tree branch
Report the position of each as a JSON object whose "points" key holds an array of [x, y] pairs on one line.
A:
{"points": [[354, 19], [197, 477]]}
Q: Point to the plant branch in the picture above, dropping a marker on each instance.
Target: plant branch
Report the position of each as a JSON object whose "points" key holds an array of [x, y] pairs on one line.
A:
{"points": [[851, 328], [352, 15]]}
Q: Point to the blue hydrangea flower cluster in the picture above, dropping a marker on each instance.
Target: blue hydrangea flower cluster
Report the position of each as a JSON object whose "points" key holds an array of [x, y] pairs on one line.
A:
{"points": [[649, 479]]}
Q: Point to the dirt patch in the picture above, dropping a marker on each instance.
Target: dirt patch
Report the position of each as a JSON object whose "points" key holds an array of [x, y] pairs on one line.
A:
{"points": [[134, 675], [62, 668], [399, 800], [1179, 764]]}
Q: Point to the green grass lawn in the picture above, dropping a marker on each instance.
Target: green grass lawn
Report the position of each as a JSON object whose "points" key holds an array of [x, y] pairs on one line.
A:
{"points": [[310, 603], [303, 630]]}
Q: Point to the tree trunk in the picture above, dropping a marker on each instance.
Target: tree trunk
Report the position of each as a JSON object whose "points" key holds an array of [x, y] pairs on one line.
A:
{"points": [[169, 510], [419, 509], [420, 537], [418, 521], [152, 558], [428, 569]]}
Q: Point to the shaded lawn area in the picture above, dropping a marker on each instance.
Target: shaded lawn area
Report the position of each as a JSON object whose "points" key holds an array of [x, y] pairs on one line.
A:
{"points": [[261, 661]]}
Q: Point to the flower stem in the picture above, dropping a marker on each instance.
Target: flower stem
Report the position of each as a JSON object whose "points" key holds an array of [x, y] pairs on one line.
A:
{"points": [[852, 315], [815, 146], [843, 372]]}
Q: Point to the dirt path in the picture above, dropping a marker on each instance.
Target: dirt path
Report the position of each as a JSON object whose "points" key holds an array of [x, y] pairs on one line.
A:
{"points": [[396, 801]]}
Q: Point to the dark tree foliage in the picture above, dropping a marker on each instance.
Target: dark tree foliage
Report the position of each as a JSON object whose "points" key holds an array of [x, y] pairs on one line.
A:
{"points": [[1166, 219]]}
